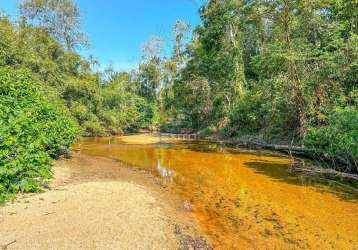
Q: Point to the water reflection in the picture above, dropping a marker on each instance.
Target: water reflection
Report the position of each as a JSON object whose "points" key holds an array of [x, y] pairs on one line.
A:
{"points": [[166, 173], [244, 199], [288, 174]]}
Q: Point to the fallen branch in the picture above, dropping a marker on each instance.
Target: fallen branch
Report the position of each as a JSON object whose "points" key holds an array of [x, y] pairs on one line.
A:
{"points": [[291, 150], [300, 151], [48, 213], [328, 171], [4, 247]]}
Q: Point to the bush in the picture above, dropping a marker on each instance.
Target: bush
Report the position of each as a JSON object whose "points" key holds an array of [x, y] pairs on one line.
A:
{"points": [[248, 116], [33, 130], [144, 114], [176, 125], [338, 140], [93, 127]]}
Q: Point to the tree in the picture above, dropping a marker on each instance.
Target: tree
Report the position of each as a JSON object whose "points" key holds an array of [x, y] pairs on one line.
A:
{"points": [[193, 100], [150, 69], [216, 55], [152, 48], [180, 31], [61, 18]]}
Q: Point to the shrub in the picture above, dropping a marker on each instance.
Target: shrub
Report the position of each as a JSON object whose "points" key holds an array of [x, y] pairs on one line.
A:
{"points": [[338, 140], [248, 116], [33, 130], [144, 114], [93, 126]]}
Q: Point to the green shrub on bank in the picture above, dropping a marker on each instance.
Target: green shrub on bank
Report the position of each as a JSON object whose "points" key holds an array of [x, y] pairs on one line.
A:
{"points": [[123, 111], [269, 114], [247, 116], [338, 140], [33, 130]]}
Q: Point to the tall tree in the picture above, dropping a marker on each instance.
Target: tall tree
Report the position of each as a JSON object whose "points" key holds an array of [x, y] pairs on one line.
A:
{"points": [[150, 74], [216, 55], [61, 18], [180, 30]]}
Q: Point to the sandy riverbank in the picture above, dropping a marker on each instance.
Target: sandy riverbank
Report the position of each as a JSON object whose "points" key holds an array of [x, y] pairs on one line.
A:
{"points": [[94, 203]]}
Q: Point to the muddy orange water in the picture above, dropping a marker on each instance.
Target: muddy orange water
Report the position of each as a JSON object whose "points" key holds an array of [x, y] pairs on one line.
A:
{"points": [[243, 199]]}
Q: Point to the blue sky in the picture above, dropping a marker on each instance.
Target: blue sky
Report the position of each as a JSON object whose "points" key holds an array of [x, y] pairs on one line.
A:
{"points": [[117, 28]]}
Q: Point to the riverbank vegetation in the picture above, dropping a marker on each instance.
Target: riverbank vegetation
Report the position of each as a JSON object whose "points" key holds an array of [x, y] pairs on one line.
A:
{"points": [[50, 95], [278, 71]]}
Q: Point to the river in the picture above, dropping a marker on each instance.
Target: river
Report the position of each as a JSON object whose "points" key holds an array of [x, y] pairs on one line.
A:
{"points": [[242, 199]]}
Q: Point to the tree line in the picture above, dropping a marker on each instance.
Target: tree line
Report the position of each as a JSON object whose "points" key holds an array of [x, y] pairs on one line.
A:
{"points": [[279, 71], [50, 94]]}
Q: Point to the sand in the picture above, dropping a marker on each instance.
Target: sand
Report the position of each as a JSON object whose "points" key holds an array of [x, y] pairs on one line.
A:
{"points": [[95, 204]]}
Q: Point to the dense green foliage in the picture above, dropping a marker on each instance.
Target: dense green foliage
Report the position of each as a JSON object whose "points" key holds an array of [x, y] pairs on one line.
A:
{"points": [[280, 70], [281, 58], [49, 94], [277, 70], [337, 140], [33, 129], [101, 105]]}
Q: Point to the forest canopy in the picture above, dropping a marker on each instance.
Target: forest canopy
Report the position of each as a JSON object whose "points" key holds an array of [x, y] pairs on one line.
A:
{"points": [[280, 71]]}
